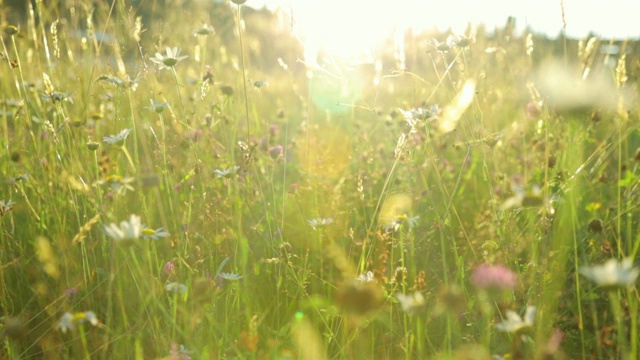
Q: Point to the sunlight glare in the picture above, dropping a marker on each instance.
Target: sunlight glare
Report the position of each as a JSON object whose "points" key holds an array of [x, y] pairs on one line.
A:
{"points": [[350, 30], [354, 27]]}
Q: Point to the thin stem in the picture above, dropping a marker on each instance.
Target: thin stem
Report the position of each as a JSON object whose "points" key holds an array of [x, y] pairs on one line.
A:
{"points": [[110, 294], [174, 315], [126, 153], [85, 345], [633, 328], [133, 124], [614, 299], [244, 76], [175, 77]]}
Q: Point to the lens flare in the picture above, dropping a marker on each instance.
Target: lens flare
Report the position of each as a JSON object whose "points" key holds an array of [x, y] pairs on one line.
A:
{"points": [[325, 151]]}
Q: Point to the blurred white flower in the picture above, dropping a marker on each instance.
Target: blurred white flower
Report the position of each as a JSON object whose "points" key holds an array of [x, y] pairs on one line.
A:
{"points": [[5, 206], [366, 277], [181, 353], [127, 230], [226, 172], [314, 223], [230, 276], [158, 107], [89, 316], [515, 324], [116, 183], [149, 233], [396, 223], [176, 287], [68, 321], [612, 274], [566, 89], [57, 96], [115, 139], [24, 177], [418, 117], [126, 82], [220, 276], [411, 303], [65, 323], [205, 30], [523, 198]]}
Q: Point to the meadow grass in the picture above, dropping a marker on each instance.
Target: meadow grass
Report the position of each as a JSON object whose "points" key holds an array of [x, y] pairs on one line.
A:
{"points": [[184, 184]]}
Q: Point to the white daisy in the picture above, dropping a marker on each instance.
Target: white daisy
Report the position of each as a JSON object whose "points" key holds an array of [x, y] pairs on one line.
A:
{"points": [[515, 324], [411, 303], [612, 274], [226, 172], [149, 233], [115, 139], [317, 222], [127, 230], [68, 321], [170, 60], [176, 287]]}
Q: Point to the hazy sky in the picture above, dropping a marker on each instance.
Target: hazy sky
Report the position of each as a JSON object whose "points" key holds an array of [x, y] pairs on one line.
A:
{"points": [[608, 18], [353, 27]]}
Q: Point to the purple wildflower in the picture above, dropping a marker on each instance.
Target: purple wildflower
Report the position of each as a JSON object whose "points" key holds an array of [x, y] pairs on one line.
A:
{"points": [[169, 268], [493, 277], [275, 151]]}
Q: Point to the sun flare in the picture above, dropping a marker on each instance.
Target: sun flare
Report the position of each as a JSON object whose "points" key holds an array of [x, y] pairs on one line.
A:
{"points": [[352, 28], [349, 30]]}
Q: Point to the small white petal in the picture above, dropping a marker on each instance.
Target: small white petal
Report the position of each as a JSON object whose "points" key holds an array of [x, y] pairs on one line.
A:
{"points": [[91, 317]]}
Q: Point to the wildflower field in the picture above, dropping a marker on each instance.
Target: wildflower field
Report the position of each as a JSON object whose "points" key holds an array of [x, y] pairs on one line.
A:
{"points": [[188, 180]]}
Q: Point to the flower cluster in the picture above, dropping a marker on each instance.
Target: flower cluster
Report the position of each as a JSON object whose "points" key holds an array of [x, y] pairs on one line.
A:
{"points": [[420, 113], [419, 116], [169, 268], [493, 278]]}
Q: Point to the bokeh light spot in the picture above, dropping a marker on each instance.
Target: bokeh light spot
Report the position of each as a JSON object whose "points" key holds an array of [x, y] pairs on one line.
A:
{"points": [[331, 92]]}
